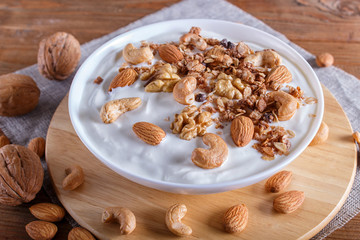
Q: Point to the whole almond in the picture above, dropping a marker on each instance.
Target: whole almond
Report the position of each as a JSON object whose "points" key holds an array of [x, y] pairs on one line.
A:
{"points": [[149, 133], [170, 53], [48, 212], [288, 202], [37, 145], [278, 182], [41, 230], [279, 74], [4, 140], [80, 233], [236, 218], [124, 78], [242, 131]]}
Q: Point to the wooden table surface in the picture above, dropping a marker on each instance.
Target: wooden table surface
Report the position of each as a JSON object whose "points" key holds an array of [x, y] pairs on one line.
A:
{"points": [[316, 25]]}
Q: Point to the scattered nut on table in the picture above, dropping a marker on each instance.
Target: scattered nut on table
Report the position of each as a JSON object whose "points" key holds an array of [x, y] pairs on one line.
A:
{"points": [[21, 173], [288, 202], [41, 230], [213, 157], [121, 215], [278, 182], [173, 220], [75, 177], [19, 94], [47, 212], [321, 135], [80, 233], [324, 60], [58, 56], [37, 145], [356, 136], [236, 218]]}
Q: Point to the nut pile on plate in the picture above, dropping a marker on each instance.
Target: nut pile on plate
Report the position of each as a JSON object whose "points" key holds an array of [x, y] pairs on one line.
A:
{"points": [[232, 83]]}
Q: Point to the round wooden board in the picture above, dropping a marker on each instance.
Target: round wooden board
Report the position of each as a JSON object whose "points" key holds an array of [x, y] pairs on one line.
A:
{"points": [[324, 172]]}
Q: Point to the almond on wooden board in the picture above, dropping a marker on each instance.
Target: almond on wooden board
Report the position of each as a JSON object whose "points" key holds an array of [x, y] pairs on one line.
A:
{"points": [[48, 212], [242, 130], [80, 233], [37, 145], [41, 230], [278, 182], [149, 133], [124, 78], [288, 202], [170, 53], [236, 218]]}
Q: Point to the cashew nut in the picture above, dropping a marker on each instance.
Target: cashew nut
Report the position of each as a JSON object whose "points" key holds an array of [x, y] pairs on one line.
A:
{"points": [[321, 135], [112, 110], [123, 216], [193, 39], [183, 91], [74, 178], [135, 55], [288, 104], [173, 220], [267, 58], [213, 157]]}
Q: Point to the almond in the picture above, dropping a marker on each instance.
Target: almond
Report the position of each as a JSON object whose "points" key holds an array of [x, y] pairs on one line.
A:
{"points": [[37, 145], [41, 230], [3, 139], [236, 218], [279, 74], [148, 132], [80, 233], [288, 202], [125, 78], [242, 130], [170, 53], [47, 212], [278, 182]]}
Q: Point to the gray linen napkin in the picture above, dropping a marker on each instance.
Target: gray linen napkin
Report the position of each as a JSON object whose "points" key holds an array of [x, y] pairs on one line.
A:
{"points": [[342, 85]]}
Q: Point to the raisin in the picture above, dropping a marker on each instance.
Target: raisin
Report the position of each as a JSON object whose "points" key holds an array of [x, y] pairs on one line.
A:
{"points": [[200, 97], [230, 45], [268, 117], [224, 43]]}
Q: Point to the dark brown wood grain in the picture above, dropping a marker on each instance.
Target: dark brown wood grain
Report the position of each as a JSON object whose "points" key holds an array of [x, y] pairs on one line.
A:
{"points": [[316, 25]]}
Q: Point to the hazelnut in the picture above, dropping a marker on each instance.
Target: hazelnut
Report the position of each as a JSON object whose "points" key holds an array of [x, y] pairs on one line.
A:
{"points": [[58, 56], [21, 173], [19, 94], [324, 60]]}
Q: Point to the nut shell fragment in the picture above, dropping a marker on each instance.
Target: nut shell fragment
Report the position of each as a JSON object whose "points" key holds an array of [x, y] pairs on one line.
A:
{"points": [[58, 56], [112, 110], [21, 175]]}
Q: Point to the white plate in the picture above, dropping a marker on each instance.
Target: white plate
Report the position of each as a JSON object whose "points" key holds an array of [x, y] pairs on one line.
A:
{"points": [[168, 166]]}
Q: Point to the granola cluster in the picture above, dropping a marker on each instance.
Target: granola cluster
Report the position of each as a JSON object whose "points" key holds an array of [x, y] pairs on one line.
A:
{"points": [[232, 81]]}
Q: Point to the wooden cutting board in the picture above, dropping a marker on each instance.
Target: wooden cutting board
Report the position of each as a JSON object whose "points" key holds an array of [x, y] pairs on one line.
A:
{"points": [[324, 172]]}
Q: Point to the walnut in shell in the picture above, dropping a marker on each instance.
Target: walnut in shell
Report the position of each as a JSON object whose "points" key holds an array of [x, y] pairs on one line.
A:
{"points": [[19, 94], [21, 175], [58, 56]]}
